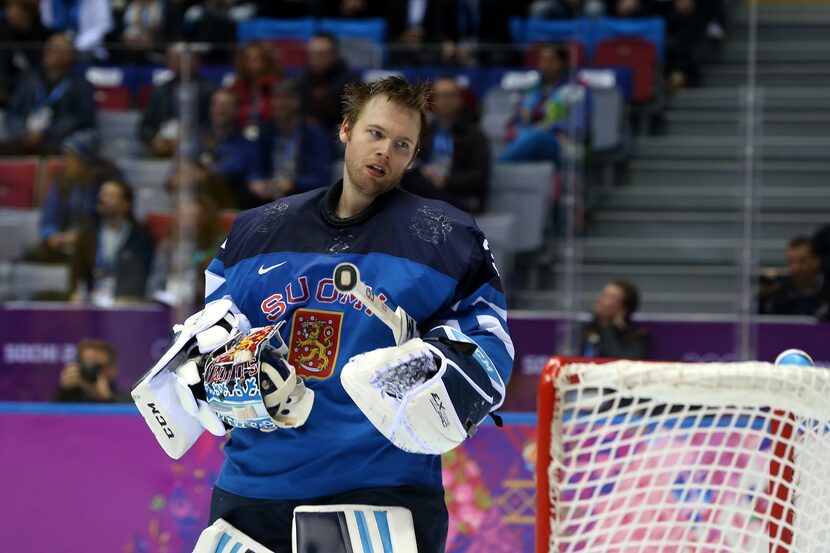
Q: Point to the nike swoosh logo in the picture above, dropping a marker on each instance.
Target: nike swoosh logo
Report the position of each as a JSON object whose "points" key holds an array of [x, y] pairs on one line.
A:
{"points": [[263, 269]]}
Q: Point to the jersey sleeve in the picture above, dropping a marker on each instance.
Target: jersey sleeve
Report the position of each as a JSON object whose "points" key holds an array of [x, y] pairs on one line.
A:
{"points": [[215, 285], [480, 312]]}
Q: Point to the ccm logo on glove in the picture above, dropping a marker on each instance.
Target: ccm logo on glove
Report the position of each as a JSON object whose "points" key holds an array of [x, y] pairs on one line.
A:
{"points": [[166, 429]]}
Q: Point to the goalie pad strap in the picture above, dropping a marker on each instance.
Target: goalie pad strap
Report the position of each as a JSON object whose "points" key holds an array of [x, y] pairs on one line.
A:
{"points": [[353, 529]]}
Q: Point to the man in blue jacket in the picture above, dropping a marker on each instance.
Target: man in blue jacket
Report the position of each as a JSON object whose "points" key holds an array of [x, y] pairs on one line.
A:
{"points": [[51, 103], [295, 150]]}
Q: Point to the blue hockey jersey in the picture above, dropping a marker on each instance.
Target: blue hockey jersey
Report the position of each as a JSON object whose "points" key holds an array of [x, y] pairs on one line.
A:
{"points": [[276, 265]]}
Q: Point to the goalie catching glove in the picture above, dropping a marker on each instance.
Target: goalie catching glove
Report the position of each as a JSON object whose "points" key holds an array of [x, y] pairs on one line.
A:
{"points": [[427, 395], [249, 384], [172, 396]]}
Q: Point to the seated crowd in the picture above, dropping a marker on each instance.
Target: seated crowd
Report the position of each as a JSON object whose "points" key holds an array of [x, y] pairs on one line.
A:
{"points": [[264, 133], [262, 137]]}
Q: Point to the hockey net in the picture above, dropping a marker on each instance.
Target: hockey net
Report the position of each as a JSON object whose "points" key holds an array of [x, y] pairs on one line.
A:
{"points": [[683, 457]]}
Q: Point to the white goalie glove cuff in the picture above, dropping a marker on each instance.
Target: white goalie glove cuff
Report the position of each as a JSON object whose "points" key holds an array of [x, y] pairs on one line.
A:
{"points": [[426, 396], [164, 395]]}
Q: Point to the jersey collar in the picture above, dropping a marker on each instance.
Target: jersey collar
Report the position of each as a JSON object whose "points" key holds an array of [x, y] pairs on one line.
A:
{"points": [[333, 196]]}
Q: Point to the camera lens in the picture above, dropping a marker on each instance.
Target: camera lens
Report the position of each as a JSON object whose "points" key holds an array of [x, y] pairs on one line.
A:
{"points": [[89, 371]]}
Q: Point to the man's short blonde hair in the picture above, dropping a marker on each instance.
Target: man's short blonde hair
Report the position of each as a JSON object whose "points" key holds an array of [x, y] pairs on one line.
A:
{"points": [[396, 89]]}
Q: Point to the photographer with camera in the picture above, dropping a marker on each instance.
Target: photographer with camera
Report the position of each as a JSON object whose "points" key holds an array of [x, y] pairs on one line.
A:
{"points": [[92, 377]]}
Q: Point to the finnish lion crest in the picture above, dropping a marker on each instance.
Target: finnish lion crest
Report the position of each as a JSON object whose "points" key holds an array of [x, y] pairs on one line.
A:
{"points": [[315, 340], [431, 225]]}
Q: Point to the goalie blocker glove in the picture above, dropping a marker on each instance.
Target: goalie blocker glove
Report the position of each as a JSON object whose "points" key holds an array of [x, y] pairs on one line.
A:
{"points": [[167, 394], [427, 395], [251, 384]]}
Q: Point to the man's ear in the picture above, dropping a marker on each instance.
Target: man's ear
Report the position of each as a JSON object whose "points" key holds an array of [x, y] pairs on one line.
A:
{"points": [[345, 131]]}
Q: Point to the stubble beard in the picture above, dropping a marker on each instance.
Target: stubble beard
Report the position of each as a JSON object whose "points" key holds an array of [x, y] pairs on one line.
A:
{"points": [[367, 186]]}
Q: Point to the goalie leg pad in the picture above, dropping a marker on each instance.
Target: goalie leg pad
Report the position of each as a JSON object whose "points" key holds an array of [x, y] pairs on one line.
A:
{"points": [[353, 529], [222, 537]]}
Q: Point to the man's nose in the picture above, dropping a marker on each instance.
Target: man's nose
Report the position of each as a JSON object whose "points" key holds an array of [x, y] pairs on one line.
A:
{"points": [[383, 148]]}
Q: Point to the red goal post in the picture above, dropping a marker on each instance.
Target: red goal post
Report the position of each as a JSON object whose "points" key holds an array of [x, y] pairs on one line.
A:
{"points": [[672, 457]]}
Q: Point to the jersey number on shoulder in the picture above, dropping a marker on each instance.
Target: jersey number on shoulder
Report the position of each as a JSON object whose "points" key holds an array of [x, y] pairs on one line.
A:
{"points": [[486, 245]]}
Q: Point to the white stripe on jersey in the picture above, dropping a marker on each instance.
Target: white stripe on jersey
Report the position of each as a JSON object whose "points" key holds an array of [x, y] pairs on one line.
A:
{"points": [[499, 311], [493, 326], [212, 283]]}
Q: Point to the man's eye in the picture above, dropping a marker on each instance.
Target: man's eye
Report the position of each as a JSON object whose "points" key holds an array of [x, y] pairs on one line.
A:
{"points": [[375, 133], [403, 145]]}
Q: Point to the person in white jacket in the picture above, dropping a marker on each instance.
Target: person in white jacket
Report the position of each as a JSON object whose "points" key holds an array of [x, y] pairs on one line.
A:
{"points": [[88, 21]]}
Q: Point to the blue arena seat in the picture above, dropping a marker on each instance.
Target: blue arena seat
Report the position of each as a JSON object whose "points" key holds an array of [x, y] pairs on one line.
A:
{"points": [[372, 29], [263, 28], [589, 31]]}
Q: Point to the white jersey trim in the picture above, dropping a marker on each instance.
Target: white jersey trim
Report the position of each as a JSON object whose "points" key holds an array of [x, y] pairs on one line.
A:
{"points": [[212, 283], [492, 325]]}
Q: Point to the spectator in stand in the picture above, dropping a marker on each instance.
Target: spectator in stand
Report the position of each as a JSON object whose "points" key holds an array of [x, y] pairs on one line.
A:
{"points": [[715, 17], [324, 80], [199, 219], [70, 201], [821, 245], [454, 162], [114, 254], [256, 75], [92, 377], [627, 8], [685, 32], [552, 115], [148, 25], [478, 32], [21, 34], [565, 9], [285, 9], [49, 104], [351, 9], [225, 160], [418, 31], [612, 333], [804, 291], [88, 21], [159, 124], [296, 150], [214, 22]]}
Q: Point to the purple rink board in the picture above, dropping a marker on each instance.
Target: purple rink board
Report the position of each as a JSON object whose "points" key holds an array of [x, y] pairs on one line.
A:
{"points": [[536, 338], [94, 479], [37, 341]]}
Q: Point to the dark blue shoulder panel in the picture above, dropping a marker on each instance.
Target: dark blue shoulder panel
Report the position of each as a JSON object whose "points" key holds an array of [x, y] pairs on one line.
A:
{"points": [[425, 231]]}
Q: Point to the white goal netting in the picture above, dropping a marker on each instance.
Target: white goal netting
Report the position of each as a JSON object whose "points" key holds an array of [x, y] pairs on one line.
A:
{"points": [[684, 458]]}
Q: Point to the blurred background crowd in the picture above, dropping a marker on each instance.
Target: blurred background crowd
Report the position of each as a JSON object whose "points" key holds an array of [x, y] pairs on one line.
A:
{"points": [[619, 154]]}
